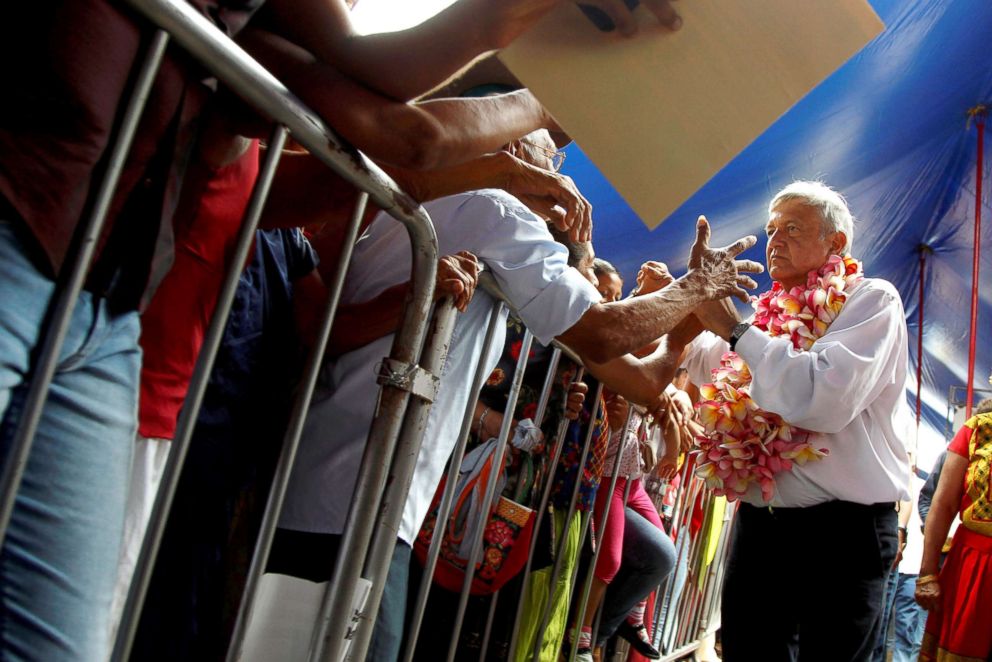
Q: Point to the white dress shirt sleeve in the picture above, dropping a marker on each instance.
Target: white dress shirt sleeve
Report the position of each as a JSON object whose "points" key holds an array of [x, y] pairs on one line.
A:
{"points": [[825, 388], [702, 355], [531, 268]]}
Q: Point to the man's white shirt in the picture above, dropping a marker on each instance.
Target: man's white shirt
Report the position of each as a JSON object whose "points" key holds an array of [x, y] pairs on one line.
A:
{"points": [[530, 268], [849, 389]]}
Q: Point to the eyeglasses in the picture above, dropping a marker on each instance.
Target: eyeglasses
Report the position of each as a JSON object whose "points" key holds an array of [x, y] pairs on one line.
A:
{"points": [[556, 156]]}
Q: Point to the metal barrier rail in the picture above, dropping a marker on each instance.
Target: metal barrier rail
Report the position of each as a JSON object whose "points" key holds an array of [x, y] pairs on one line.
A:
{"points": [[255, 85], [692, 614], [176, 20]]}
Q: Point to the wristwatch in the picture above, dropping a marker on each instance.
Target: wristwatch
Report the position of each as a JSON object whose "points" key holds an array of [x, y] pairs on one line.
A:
{"points": [[736, 333]]}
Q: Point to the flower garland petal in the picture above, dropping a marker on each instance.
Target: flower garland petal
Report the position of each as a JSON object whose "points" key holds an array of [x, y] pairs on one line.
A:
{"points": [[743, 445]]}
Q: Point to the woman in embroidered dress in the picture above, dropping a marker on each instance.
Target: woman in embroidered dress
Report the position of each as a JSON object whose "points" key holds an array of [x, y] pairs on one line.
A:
{"points": [[958, 595]]}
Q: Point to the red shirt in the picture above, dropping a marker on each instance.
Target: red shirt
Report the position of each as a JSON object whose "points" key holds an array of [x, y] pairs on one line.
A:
{"points": [[173, 326]]}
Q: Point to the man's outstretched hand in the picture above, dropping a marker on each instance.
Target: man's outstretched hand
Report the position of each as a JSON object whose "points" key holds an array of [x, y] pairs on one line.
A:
{"points": [[720, 273]]}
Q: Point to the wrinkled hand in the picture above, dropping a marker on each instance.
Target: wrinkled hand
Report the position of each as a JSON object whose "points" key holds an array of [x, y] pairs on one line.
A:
{"points": [[652, 277], [616, 411], [720, 274], [576, 396], [718, 316], [551, 196], [671, 430], [514, 17], [457, 277], [928, 596], [624, 20]]}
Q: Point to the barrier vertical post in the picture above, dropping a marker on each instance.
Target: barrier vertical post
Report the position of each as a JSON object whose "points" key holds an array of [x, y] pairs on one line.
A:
{"points": [[557, 568], [401, 477], [191, 407], [504, 439], [580, 614], [538, 517], [70, 282], [444, 508], [291, 440]]}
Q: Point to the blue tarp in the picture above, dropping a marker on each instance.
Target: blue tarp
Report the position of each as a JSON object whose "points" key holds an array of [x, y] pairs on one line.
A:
{"points": [[890, 131]]}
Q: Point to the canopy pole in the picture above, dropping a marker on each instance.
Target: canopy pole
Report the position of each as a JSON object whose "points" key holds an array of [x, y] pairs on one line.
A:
{"points": [[978, 114], [924, 250]]}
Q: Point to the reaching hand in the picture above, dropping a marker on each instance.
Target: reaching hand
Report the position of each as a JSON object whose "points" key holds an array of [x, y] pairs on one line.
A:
{"points": [[719, 272], [616, 411], [551, 196], [652, 277], [514, 17], [928, 595], [622, 17], [457, 277], [576, 396]]}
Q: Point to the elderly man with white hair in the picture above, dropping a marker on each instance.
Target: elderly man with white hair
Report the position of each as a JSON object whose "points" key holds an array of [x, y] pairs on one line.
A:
{"points": [[816, 532]]}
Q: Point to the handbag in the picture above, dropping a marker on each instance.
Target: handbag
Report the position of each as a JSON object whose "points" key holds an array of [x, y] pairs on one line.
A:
{"points": [[509, 527]]}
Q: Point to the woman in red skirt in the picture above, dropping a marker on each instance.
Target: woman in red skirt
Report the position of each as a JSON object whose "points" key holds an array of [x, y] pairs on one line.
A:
{"points": [[959, 595]]}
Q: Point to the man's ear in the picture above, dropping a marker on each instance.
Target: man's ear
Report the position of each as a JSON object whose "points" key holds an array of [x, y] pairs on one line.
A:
{"points": [[837, 243]]}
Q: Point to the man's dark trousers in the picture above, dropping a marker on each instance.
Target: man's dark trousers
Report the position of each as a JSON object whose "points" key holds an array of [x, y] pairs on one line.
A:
{"points": [[807, 583]]}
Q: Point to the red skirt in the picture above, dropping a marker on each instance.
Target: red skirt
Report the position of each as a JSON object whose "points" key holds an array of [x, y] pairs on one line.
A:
{"points": [[962, 630]]}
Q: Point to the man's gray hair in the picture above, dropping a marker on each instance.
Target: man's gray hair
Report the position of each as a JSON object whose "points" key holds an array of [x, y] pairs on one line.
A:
{"points": [[831, 205], [602, 268]]}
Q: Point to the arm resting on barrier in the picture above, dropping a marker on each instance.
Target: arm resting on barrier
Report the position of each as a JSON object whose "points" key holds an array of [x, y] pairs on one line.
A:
{"points": [[551, 196], [408, 63], [358, 324], [420, 135]]}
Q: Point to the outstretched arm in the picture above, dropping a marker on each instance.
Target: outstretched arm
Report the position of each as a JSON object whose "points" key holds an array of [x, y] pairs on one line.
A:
{"points": [[409, 63], [423, 135], [610, 330]]}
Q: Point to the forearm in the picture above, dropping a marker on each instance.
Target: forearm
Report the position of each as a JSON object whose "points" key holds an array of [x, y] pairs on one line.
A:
{"points": [[935, 534], [357, 325], [415, 136], [640, 381], [402, 65], [306, 192], [488, 171], [905, 509], [610, 330]]}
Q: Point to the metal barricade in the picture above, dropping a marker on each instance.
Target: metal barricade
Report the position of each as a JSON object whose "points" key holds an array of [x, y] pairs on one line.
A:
{"points": [[682, 618], [177, 21]]}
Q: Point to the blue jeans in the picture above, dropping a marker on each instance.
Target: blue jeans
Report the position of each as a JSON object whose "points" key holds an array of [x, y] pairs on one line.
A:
{"points": [[59, 561], [884, 642], [648, 557], [910, 621]]}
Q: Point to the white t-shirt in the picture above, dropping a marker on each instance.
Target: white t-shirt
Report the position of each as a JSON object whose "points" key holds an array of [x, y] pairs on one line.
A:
{"points": [[849, 387], [530, 268]]}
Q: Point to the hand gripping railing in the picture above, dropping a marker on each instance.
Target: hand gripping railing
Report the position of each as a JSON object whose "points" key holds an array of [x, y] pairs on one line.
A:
{"points": [[239, 72]]}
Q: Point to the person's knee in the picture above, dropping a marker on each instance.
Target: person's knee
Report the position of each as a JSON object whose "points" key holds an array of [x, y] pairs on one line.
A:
{"points": [[661, 556]]}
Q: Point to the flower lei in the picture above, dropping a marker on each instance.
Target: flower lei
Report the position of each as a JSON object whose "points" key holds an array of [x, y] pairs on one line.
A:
{"points": [[743, 444]]}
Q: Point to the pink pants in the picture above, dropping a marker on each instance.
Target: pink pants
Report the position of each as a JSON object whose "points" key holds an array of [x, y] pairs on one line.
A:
{"points": [[611, 537]]}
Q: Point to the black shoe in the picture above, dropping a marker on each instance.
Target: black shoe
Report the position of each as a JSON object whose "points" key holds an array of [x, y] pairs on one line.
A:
{"points": [[637, 637]]}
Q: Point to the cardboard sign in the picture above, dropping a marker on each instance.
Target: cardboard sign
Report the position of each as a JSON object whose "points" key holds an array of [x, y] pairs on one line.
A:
{"points": [[660, 113]]}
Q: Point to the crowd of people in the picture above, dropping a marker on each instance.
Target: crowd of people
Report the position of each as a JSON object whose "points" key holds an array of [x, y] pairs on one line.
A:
{"points": [[817, 531]]}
